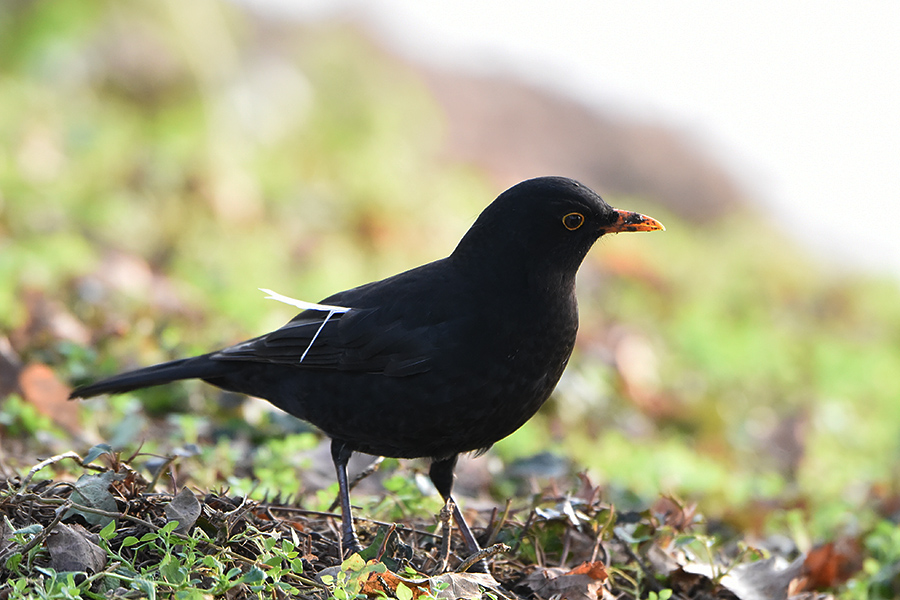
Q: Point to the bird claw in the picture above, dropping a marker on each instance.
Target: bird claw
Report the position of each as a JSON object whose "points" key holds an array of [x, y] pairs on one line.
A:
{"points": [[351, 546]]}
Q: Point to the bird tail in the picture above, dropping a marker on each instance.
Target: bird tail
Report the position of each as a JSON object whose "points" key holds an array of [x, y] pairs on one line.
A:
{"points": [[186, 368]]}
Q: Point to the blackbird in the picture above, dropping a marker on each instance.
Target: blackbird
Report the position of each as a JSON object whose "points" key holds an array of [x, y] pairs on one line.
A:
{"points": [[445, 358]]}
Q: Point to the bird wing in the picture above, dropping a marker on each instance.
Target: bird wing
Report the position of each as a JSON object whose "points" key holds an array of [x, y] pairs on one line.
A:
{"points": [[360, 339]]}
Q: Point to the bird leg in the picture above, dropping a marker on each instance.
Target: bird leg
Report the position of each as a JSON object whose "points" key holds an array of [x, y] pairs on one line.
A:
{"points": [[441, 474], [340, 454], [359, 477]]}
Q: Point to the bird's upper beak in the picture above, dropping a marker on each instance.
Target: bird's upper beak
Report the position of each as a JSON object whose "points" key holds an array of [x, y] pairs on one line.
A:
{"points": [[632, 221]]}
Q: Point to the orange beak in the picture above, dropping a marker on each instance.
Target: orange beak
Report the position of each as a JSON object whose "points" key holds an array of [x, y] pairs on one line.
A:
{"points": [[632, 221]]}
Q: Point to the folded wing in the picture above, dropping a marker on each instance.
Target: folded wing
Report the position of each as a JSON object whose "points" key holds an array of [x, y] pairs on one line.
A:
{"points": [[365, 340]]}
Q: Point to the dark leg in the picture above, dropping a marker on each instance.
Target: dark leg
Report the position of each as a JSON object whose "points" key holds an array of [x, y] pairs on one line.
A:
{"points": [[340, 454], [441, 474]]}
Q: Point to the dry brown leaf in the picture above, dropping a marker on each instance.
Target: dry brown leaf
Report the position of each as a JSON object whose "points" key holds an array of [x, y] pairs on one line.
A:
{"points": [[584, 582], [464, 585], [674, 513], [386, 583], [50, 396], [831, 564], [467, 586]]}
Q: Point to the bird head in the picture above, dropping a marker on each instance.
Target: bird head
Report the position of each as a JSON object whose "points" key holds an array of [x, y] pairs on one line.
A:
{"points": [[546, 225]]}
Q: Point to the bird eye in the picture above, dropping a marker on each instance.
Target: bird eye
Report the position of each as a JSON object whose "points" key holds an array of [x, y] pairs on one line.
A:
{"points": [[573, 221]]}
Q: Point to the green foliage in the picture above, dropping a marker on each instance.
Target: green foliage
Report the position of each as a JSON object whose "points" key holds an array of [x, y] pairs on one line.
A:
{"points": [[346, 584], [880, 576], [405, 499], [20, 418], [278, 462], [185, 568]]}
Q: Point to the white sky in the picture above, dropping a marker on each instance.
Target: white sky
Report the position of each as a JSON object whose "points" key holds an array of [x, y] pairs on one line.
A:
{"points": [[801, 99]]}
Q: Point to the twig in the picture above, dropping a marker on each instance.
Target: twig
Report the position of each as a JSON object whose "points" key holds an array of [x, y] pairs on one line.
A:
{"points": [[320, 513], [482, 554], [651, 579], [495, 528], [39, 538], [567, 544], [598, 542], [89, 509], [159, 472], [525, 527], [46, 463], [384, 543]]}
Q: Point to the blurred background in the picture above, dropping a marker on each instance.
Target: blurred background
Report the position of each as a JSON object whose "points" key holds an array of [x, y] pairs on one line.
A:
{"points": [[161, 160]]}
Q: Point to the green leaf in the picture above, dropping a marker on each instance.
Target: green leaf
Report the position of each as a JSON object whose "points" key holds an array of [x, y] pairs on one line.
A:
{"points": [[173, 572], [144, 586], [297, 566], [109, 531], [353, 563], [272, 561], [97, 451], [403, 592], [254, 575], [168, 528], [12, 563], [129, 541], [32, 529]]}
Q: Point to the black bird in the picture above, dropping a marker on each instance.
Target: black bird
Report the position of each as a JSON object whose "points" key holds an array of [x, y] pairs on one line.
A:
{"points": [[446, 358]]}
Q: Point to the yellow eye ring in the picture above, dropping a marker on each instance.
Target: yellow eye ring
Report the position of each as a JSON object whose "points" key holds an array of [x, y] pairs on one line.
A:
{"points": [[573, 221]]}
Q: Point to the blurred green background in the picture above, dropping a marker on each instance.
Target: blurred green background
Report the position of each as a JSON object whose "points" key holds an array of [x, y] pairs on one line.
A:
{"points": [[160, 161]]}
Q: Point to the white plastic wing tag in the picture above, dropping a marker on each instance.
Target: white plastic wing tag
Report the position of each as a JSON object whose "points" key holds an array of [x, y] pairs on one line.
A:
{"points": [[332, 310]]}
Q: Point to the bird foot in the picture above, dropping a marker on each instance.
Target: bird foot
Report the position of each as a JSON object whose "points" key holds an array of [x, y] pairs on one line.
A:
{"points": [[351, 546]]}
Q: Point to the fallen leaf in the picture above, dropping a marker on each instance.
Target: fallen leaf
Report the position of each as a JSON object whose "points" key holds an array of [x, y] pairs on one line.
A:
{"points": [[183, 508], [72, 548], [93, 491], [452, 586], [768, 579], [831, 564], [463, 585], [386, 583], [674, 513], [584, 582], [50, 396]]}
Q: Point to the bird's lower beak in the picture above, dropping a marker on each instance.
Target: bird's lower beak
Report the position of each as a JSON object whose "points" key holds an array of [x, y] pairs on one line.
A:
{"points": [[632, 221]]}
